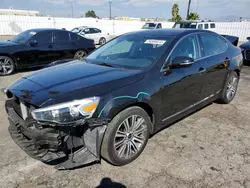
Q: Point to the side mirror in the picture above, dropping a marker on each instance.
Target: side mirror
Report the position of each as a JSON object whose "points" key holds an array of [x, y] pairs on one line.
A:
{"points": [[182, 61], [248, 38], [33, 43]]}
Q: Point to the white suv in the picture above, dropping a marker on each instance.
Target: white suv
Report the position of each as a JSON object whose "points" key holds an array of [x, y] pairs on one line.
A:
{"points": [[207, 25]]}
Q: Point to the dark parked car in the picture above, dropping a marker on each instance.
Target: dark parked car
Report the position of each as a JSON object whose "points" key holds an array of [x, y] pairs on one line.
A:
{"points": [[110, 103], [38, 47], [245, 48]]}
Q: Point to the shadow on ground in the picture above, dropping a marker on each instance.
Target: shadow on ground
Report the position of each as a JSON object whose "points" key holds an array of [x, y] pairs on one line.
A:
{"points": [[108, 183]]}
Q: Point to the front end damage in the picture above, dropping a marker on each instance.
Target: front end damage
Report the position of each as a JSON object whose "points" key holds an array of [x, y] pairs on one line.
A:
{"points": [[65, 146]]}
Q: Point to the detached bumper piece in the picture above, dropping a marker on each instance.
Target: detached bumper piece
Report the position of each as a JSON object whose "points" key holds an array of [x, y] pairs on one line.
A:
{"points": [[66, 147]]}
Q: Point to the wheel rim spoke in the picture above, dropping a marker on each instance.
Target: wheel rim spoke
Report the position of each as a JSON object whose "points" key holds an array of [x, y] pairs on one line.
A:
{"points": [[120, 134], [126, 125], [122, 150], [138, 124], [140, 131], [119, 144], [134, 145]]}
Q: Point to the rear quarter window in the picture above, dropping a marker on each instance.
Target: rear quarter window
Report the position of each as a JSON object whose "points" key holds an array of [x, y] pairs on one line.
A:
{"points": [[212, 44]]}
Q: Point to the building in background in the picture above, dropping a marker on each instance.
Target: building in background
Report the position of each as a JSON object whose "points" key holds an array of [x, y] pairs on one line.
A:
{"points": [[124, 18], [19, 12]]}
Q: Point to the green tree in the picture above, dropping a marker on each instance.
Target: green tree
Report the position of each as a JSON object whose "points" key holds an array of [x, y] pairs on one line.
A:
{"points": [[193, 16], [91, 14], [175, 13]]}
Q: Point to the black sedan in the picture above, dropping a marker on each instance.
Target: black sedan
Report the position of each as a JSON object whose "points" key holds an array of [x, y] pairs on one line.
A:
{"points": [[245, 48], [38, 47], [109, 104]]}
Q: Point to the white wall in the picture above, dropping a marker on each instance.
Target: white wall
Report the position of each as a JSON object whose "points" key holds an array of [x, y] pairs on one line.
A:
{"points": [[12, 25]]}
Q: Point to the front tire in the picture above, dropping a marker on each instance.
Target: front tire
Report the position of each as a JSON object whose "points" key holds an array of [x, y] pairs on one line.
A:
{"points": [[230, 88], [126, 136], [7, 65]]}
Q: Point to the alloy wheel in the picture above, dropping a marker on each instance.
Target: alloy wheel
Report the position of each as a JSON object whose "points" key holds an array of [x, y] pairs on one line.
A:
{"points": [[80, 54], [6, 65], [130, 137], [102, 41], [232, 87]]}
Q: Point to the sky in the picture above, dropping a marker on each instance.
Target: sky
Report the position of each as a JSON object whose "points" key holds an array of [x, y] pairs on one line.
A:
{"points": [[207, 9]]}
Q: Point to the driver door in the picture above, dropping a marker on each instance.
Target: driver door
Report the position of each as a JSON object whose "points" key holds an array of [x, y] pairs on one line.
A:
{"points": [[183, 87]]}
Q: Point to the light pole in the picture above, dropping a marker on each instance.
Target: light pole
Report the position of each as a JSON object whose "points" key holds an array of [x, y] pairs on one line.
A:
{"points": [[110, 15], [72, 10], [189, 2]]}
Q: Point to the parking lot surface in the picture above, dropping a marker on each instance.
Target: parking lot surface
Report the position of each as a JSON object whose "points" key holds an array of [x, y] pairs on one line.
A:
{"points": [[208, 149]]}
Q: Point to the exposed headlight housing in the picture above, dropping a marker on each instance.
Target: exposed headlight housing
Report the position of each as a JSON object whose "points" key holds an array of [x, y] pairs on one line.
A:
{"points": [[68, 112]]}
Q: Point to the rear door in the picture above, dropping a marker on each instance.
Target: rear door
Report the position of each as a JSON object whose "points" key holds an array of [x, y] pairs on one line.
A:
{"points": [[45, 53], [63, 47], [215, 62]]}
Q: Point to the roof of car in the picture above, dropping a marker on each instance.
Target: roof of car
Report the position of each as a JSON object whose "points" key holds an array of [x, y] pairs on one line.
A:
{"points": [[165, 32], [44, 29]]}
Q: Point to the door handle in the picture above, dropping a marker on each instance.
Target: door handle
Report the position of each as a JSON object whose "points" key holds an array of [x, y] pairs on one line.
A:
{"points": [[201, 70]]}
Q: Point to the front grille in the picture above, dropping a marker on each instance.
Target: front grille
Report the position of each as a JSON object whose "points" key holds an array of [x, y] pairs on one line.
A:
{"points": [[247, 54]]}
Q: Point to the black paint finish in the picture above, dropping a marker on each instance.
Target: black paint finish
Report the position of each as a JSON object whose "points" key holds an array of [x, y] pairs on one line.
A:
{"points": [[26, 55], [166, 92]]}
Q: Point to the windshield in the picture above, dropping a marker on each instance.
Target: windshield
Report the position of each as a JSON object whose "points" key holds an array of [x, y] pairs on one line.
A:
{"points": [[23, 37], [77, 30], [185, 25], [149, 26], [130, 51]]}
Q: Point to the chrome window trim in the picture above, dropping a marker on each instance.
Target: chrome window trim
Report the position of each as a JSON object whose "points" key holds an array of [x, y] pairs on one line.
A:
{"points": [[162, 69]]}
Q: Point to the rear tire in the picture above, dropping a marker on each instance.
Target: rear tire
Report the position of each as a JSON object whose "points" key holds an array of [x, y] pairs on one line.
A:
{"points": [[102, 41], [80, 54], [230, 88], [126, 136]]}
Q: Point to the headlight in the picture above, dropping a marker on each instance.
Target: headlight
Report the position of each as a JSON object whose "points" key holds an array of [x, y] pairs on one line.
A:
{"points": [[242, 49], [68, 112]]}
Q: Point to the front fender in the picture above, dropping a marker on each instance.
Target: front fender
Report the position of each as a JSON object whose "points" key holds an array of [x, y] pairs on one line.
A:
{"points": [[117, 103]]}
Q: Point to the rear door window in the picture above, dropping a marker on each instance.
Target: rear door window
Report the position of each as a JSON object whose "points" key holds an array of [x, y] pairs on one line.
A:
{"points": [[206, 26], [74, 37], [61, 37]]}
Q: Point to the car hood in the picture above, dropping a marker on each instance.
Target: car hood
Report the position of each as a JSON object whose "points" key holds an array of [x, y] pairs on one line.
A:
{"points": [[71, 81], [245, 45], [8, 43]]}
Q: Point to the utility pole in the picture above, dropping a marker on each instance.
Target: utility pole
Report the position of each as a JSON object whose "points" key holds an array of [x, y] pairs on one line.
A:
{"points": [[189, 3], [110, 15], [72, 10]]}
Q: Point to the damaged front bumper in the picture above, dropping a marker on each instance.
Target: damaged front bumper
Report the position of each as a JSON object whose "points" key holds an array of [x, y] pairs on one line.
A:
{"points": [[65, 146]]}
